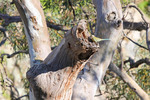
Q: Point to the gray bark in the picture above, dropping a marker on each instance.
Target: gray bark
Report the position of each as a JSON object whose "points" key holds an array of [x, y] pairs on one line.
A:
{"points": [[109, 25]]}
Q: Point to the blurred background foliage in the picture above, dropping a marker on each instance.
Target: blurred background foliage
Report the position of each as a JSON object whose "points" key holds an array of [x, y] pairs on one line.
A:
{"points": [[13, 83]]}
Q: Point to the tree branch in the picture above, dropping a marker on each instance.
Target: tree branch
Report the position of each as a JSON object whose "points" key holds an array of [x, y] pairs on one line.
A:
{"points": [[13, 54], [10, 19], [57, 27], [72, 9], [109, 25], [131, 83], [137, 63], [146, 24], [148, 37], [5, 36], [135, 42], [134, 25], [87, 16], [142, 15], [19, 98]]}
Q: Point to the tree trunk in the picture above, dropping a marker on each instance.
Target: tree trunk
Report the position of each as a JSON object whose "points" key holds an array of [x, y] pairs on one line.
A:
{"points": [[109, 25], [35, 30]]}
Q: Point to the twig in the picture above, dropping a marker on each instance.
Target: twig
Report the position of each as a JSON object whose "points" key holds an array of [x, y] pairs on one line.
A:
{"points": [[127, 25], [13, 54], [56, 27], [5, 36], [72, 9], [19, 98], [87, 16], [134, 64], [121, 54], [148, 38], [135, 42], [142, 15]]}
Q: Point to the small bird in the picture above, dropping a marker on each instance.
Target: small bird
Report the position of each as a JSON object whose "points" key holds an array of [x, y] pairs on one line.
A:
{"points": [[96, 39]]}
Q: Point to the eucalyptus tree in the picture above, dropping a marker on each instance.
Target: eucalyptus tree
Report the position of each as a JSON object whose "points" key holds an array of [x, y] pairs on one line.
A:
{"points": [[75, 68]]}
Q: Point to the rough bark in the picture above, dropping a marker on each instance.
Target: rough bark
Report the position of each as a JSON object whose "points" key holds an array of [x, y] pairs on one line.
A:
{"points": [[109, 25], [131, 83], [55, 77]]}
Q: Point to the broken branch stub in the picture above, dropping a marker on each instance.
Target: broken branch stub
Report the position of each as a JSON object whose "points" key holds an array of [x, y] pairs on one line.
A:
{"points": [[55, 77]]}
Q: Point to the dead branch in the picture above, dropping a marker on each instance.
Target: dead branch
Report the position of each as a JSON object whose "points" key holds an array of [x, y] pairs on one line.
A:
{"points": [[109, 25], [131, 83]]}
